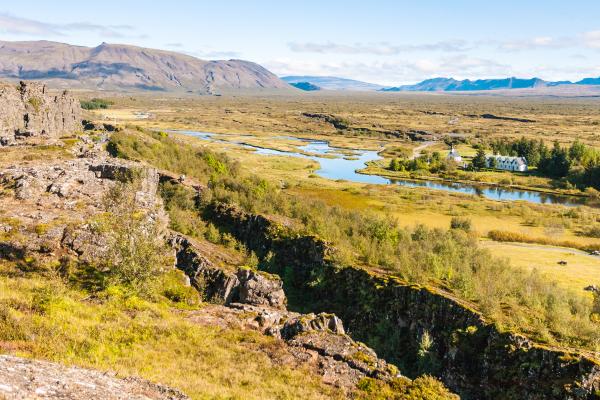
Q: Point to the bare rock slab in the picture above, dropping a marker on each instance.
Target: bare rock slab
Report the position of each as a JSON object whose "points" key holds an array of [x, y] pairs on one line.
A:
{"points": [[23, 379]]}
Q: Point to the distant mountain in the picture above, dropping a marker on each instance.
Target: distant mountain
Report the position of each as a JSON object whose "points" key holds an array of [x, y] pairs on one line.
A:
{"points": [[333, 83], [589, 81], [451, 84], [306, 86], [124, 67]]}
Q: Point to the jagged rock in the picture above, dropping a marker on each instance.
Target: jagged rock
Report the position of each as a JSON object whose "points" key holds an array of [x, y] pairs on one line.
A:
{"points": [[311, 323], [259, 289], [98, 126], [340, 360], [23, 379], [30, 114], [53, 202], [218, 285]]}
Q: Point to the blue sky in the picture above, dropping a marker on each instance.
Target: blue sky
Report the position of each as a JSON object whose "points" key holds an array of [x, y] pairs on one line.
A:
{"points": [[388, 42]]}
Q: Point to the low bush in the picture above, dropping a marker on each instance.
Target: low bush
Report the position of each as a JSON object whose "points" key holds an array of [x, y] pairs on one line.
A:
{"points": [[95, 104], [460, 223]]}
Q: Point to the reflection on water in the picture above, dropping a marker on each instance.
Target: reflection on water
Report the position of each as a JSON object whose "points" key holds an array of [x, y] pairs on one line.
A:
{"points": [[336, 167]]}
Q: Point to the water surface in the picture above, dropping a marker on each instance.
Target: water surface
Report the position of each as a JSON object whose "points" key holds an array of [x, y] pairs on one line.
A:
{"points": [[335, 164]]}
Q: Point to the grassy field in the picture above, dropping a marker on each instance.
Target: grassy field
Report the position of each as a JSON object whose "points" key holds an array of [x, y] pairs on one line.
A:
{"points": [[44, 318], [580, 271], [375, 114]]}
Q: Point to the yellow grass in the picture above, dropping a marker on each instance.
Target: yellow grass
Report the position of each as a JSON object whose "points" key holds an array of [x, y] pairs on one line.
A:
{"points": [[581, 269]]}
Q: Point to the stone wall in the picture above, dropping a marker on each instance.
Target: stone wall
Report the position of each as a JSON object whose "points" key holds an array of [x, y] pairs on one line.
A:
{"points": [[30, 114], [471, 356]]}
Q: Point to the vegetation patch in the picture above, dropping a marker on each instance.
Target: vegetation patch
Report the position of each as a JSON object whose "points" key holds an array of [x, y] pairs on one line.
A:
{"points": [[96, 104]]}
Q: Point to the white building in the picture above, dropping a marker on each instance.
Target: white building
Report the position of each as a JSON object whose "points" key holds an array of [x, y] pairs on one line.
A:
{"points": [[508, 163], [454, 155]]}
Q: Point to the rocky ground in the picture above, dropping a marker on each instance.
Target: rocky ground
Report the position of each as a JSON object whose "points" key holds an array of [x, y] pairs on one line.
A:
{"points": [[29, 113], [22, 379]]}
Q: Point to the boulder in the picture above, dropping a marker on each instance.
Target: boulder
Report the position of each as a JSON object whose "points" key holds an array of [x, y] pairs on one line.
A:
{"points": [[258, 288]]}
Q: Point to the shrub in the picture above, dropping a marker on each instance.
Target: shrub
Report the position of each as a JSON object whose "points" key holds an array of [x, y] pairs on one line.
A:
{"points": [[461, 223], [136, 252], [592, 231], [95, 104]]}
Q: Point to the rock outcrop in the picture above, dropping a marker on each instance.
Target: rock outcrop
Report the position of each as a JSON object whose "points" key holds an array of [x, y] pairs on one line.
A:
{"points": [[223, 286], [23, 379], [470, 355], [29, 113], [256, 300], [49, 206]]}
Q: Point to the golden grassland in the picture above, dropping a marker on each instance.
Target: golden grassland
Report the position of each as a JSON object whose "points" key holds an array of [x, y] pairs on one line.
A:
{"points": [[563, 119], [580, 270]]}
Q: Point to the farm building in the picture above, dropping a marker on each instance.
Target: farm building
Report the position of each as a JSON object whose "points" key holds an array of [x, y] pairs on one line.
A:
{"points": [[507, 163]]}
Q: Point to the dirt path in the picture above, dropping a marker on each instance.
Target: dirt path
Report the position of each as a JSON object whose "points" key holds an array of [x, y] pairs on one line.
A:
{"points": [[417, 150]]}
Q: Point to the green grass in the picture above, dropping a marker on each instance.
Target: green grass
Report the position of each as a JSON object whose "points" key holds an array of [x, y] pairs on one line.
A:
{"points": [[41, 317]]}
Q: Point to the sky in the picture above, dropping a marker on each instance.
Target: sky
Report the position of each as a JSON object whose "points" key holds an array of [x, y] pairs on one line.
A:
{"points": [[385, 42]]}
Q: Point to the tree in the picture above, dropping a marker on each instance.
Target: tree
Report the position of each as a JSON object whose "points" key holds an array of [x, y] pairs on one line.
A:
{"points": [[492, 163], [577, 151], [136, 253], [395, 164], [556, 163], [479, 160]]}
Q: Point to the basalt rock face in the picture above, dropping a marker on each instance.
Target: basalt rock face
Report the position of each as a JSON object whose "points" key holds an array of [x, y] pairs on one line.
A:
{"points": [[30, 114], [48, 206], [222, 286], [255, 300], [471, 356]]}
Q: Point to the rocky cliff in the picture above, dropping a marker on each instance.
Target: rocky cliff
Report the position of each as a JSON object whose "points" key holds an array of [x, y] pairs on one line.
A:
{"points": [[29, 113], [255, 300], [469, 354]]}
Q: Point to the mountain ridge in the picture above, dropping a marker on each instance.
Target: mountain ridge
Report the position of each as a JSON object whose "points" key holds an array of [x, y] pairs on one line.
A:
{"points": [[127, 67], [442, 84], [332, 82]]}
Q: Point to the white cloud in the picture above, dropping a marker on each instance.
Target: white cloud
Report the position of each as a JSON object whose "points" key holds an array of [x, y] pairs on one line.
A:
{"points": [[535, 43], [394, 72], [22, 26], [592, 39], [382, 48]]}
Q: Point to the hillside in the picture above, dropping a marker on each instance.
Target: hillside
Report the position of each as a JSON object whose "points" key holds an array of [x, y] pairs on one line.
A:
{"points": [[124, 67], [306, 86], [333, 83], [451, 84]]}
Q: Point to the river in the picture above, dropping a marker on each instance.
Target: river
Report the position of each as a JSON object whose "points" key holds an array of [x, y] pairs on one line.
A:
{"points": [[335, 163]]}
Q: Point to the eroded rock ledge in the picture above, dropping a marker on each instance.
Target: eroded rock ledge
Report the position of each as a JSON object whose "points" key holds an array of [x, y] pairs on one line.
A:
{"points": [[30, 114]]}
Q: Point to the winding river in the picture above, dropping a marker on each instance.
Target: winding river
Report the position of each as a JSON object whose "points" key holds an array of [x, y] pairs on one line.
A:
{"points": [[336, 163]]}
